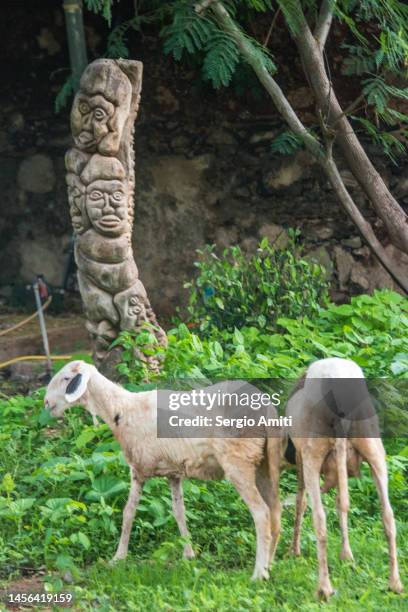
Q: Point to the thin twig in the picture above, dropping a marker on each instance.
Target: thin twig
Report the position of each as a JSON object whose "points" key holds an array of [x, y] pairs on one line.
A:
{"points": [[326, 61], [275, 17], [351, 107]]}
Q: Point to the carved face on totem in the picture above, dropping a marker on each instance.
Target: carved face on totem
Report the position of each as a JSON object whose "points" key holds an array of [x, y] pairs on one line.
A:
{"points": [[107, 206], [107, 195], [101, 108], [75, 161], [131, 305], [76, 199], [135, 304]]}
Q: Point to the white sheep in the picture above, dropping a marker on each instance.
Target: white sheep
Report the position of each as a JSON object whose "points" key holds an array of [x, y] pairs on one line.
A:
{"points": [[250, 464], [335, 427]]}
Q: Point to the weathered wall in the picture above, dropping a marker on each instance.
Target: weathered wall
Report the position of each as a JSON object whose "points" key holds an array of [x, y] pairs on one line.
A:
{"points": [[204, 173]]}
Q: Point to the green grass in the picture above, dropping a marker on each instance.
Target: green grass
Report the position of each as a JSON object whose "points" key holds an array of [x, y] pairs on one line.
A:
{"points": [[201, 584], [78, 480], [63, 486], [196, 586]]}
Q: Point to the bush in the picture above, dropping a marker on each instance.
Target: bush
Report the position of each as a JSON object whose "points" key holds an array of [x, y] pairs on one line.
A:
{"points": [[371, 330], [236, 290]]}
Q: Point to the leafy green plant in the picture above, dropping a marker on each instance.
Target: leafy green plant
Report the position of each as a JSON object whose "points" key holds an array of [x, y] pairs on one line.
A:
{"points": [[103, 7], [371, 330], [63, 483], [235, 289], [286, 143]]}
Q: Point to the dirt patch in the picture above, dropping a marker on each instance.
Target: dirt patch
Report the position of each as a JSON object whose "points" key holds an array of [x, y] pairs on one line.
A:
{"points": [[32, 327], [66, 334]]}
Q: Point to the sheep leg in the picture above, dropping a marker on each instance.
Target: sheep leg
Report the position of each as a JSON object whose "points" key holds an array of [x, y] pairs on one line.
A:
{"points": [[346, 552], [128, 515], [301, 504], [244, 480], [179, 512], [373, 452], [267, 482], [311, 470]]}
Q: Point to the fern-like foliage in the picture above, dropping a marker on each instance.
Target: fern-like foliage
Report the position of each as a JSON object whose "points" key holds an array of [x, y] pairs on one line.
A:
{"points": [[117, 43], [261, 55], [221, 59], [378, 93], [188, 32], [389, 49], [286, 143], [378, 54], [103, 7], [391, 145], [193, 33], [358, 62]]}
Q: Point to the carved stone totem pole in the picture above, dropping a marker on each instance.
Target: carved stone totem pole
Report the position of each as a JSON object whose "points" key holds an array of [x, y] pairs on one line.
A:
{"points": [[101, 184]]}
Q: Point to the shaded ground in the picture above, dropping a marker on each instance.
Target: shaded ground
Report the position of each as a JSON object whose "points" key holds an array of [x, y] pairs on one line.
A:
{"points": [[66, 336], [65, 333]]}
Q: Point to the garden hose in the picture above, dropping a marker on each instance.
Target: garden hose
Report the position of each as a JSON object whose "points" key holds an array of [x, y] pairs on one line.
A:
{"points": [[33, 358], [27, 320]]}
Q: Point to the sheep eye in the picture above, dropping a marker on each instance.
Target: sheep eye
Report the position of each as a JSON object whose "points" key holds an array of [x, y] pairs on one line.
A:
{"points": [[67, 378]]}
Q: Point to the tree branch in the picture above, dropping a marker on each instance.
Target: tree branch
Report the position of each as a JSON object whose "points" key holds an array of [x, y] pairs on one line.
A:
{"points": [[324, 22], [282, 104], [382, 201], [324, 158], [351, 107], [362, 224]]}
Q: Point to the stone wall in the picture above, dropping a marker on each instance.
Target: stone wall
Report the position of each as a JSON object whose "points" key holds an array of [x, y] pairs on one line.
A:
{"points": [[204, 173]]}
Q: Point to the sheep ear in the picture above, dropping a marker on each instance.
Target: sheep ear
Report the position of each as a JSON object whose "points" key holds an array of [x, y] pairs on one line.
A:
{"points": [[76, 387]]}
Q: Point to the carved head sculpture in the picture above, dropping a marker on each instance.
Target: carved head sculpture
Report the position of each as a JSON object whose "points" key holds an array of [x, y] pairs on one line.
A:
{"points": [[107, 195], [135, 307], [76, 199], [131, 305], [75, 162], [101, 108]]}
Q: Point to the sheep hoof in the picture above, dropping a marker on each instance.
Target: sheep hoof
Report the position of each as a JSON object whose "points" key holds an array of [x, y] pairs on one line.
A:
{"points": [[294, 551], [324, 592], [260, 574], [188, 553], [396, 586]]}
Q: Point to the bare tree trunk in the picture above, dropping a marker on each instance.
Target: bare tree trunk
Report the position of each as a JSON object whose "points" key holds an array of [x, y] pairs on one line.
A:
{"points": [[384, 204], [324, 158]]}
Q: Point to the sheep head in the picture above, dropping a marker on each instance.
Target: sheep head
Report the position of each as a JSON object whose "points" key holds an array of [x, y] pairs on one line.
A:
{"points": [[68, 387]]}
